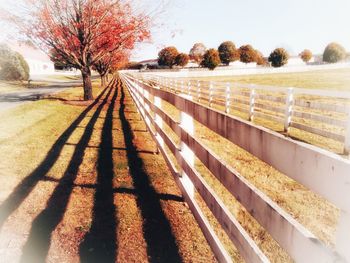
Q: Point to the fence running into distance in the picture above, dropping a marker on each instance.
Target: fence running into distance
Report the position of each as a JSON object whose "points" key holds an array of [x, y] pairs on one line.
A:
{"points": [[320, 112], [323, 172]]}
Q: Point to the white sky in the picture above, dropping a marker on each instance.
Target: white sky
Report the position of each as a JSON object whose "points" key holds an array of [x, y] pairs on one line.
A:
{"points": [[265, 24]]}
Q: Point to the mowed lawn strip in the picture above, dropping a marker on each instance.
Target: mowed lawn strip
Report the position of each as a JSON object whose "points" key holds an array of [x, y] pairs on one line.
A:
{"points": [[117, 200]]}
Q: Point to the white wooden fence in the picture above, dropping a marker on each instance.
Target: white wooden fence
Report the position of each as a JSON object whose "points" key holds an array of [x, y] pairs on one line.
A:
{"points": [[322, 172], [327, 113]]}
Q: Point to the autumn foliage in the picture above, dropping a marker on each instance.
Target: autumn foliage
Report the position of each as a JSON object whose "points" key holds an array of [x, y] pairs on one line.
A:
{"points": [[167, 56], [109, 63], [197, 52], [260, 60], [228, 52], [182, 59], [279, 57], [247, 54], [306, 55], [211, 59], [85, 32]]}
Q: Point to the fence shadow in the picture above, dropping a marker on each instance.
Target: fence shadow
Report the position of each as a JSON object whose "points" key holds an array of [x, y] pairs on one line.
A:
{"points": [[24, 188], [36, 248], [99, 244], [161, 243]]}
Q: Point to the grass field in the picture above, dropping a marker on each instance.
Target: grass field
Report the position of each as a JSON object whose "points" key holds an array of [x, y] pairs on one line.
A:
{"points": [[311, 210], [318, 215], [83, 183], [322, 79], [336, 80]]}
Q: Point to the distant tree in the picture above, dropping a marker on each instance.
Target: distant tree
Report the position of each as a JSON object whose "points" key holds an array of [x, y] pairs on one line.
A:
{"points": [[333, 53], [197, 52], [182, 59], [113, 61], [305, 55], [167, 56], [12, 65], [24, 65], [133, 65], [260, 60], [247, 54], [228, 52], [211, 59], [279, 57]]}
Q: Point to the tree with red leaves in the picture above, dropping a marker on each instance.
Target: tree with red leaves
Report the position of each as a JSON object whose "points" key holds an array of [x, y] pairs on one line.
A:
{"points": [[109, 63], [85, 32]]}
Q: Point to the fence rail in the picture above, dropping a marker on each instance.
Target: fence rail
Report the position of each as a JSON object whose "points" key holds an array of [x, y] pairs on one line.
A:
{"points": [[327, 113], [324, 173]]}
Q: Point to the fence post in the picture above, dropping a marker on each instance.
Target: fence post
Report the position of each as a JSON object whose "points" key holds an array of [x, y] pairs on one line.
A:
{"points": [[186, 123], [175, 86], [347, 135], [141, 98], [251, 102], [211, 94], [228, 95], [289, 108], [198, 90], [159, 121], [189, 87], [146, 95]]}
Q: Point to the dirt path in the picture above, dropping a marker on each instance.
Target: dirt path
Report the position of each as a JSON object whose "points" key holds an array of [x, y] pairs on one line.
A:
{"points": [[99, 194]]}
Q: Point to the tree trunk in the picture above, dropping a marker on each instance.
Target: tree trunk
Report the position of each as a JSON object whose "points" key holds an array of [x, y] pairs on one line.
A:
{"points": [[86, 74], [103, 81]]}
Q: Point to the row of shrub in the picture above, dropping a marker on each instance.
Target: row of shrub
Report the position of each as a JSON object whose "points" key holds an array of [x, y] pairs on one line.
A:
{"points": [[12, 65], [227, 53]]}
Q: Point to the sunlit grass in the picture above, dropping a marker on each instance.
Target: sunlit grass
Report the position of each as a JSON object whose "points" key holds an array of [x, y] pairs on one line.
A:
{"points": [[322, 79], [311, 210], [33, 128]]}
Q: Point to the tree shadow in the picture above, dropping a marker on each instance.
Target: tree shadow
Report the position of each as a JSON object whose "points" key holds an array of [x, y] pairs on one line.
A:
{"points": [[36, 248], [24, 188], [99, 244], [161, 243]]}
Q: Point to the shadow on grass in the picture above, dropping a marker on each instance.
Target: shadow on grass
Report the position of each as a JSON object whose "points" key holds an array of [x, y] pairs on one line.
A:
{"points": [[24, 188], [161, 243], [99, 244], [38, 242]]}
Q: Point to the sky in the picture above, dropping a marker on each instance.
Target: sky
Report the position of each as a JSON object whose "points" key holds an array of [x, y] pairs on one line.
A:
{"points": [[265, 24]]}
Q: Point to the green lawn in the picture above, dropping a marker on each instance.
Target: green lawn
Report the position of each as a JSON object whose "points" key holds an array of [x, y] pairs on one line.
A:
{"points": [[322, 79]]}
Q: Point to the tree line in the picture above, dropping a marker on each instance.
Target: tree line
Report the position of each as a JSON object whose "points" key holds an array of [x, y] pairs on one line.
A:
{"points": [[227, 53]]}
